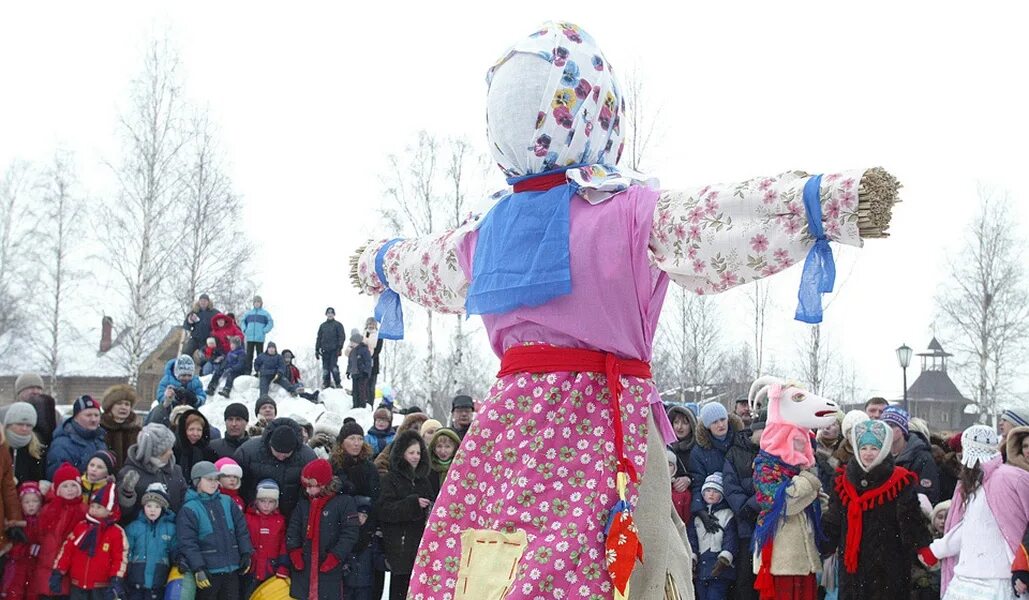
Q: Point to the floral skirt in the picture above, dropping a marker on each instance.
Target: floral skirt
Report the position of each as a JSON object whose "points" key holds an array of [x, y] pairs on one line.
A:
{"points": [[539, 459]]}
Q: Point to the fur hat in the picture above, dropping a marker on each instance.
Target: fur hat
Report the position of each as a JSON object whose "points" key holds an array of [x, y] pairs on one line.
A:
{"points": [[20, 413], [319, 470], [328, 423], [108, 458], [237, 410], [942, 506], [177, 412], [713, 482], [120, 392], [203, 470], [267, 489], [66, 472], [303, 423], [83, 402], [352, 428], [229, 467], [156, 492], [153, 441], [384, 414], [106, 496], [26, 381], [979, 444], [895, 415], [712, 412], [283, 439], [429, 423], [184, 366], [670, 456]]}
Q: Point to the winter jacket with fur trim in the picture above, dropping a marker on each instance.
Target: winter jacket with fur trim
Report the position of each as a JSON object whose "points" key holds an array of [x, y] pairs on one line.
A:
{"points": [[708, 456]]}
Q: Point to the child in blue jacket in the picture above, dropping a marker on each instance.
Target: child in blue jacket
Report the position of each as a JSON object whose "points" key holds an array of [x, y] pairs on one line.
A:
{"points": [[271, 367], [152, 546], [234, 365], [715, 542]]}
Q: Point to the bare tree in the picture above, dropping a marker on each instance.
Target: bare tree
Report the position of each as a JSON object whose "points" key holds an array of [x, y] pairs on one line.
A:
{"points": [[690, 339], [16, 253], [399, 369], [640, 119], [758, 296], [985, 302], [817, 360], [140, 227], [63, 212], [218, 254]]}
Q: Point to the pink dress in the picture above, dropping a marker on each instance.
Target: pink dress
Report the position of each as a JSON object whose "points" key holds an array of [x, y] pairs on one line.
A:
{"points": [[539, 457]]}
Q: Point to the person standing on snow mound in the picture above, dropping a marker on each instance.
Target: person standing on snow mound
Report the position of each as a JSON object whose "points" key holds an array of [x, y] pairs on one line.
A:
{"points": [[328, 347], [570, 416]]}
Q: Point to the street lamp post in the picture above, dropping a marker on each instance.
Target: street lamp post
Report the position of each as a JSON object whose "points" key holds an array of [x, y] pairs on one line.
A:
{"points": [[904, 358]]}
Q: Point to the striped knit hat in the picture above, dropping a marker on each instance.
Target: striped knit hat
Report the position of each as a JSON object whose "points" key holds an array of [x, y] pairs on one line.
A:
{"points": [[106, 496], [1015, 417]]}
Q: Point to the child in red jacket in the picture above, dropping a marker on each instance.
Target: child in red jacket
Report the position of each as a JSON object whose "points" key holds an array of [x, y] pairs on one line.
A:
{"points": [[61, 513], [95, 555], [268, 535], [230, 479], [22, 559]]}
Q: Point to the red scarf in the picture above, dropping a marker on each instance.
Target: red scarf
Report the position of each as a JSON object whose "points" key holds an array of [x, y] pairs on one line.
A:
{"points": [[313, 534], [856, 504]]}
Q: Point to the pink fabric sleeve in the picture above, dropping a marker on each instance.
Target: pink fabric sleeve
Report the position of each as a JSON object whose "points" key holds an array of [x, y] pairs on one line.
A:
{"points": [[713, 238]]}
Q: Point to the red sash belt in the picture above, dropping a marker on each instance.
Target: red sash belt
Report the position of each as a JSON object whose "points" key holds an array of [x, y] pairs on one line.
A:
{"points": [[550, 359]]}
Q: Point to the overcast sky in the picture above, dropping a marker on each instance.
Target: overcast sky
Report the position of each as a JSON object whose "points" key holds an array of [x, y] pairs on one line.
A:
{"points": [[310, 97]]}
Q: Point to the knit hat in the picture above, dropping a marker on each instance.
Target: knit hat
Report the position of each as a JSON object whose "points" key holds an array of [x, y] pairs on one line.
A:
{"points": [[184, 366], [954, 442], [204, 297], [237, 410], [153, 440], [328, 423], [229, 467], [713, 482], [83, 402], [203, 470], [319, 470], [895, 415], [462, 401], [693, 407], [350, 429], [283, 439], [329, 311], [108, 458], [429, 424], [120, 392], [671, 457], [851, 419], [267, 489], [66, 472], [384, 414], [106, 496], [979, 444], [867, 434], [356, 337], [26, 381], [1018, 418], [711, 412], [20, 413], [265, 400], [29, 487], [156, 492]]}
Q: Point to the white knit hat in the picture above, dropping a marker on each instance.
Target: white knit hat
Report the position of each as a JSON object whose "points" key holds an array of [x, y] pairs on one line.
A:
{"points": [[267, 489], [979, 444], [713, 482]]}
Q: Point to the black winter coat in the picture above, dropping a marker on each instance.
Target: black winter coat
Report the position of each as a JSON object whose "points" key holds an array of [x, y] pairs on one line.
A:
{"points": [[256, 458], [360, 480], [170, 475], [918, 458], [707, 458], [186, 454], [738, 483], [331, 337], [201, 330], [337, 534], [891, 534], [26, 466], [682, 448], [400, 515], [225, 447]]}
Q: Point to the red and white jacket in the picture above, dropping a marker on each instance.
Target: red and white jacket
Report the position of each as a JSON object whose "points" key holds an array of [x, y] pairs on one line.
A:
{"points": [[90, 572], [268, 535]]}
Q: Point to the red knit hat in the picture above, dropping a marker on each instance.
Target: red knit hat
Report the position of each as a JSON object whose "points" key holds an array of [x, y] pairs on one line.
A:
{"points": [[319, 470], [29, 487], [955, 442], [65, 472]]}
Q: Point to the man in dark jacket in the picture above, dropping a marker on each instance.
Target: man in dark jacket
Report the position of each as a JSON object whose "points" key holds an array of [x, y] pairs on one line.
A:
{"points": [[737, 480], [359, 371], [78, 438], [328, 347], [462, 411], [198, 324], [911, 451], [277, 455], [236, 418]]}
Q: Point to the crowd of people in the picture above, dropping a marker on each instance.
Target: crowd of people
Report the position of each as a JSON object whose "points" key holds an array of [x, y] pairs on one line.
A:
{"points": [[110, 507]]}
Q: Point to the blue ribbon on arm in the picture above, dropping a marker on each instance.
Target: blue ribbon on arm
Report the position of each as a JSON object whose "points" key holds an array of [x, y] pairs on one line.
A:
{"points": [[819, 273], [388, 312]]}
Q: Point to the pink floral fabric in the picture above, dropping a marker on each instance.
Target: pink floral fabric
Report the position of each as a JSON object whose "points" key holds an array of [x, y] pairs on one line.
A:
{"points": [[539, 457]]}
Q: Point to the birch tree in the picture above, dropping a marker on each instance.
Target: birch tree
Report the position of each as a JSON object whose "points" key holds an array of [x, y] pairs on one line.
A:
{"points": [[984, 302], [642, 115], [690, 340], [16, 257]]}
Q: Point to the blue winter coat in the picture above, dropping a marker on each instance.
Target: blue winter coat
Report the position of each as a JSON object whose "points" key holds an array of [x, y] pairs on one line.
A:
{"points": [[152, 548], [256, 322], [266, 364], [212, 533], [707, 546], [379, 439], [708, 457], [235, 360], [194, 385], [73, 444]]}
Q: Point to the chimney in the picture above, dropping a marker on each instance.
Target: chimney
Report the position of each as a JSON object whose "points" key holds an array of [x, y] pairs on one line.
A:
{"points": [[105, 334]]}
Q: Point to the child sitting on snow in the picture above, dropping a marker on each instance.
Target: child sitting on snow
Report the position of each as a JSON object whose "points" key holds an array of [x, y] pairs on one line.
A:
{"points": [[21, 561], [213, 357], [152, 546], [230, 478], [715, 545], [94, 555], [293, 375], [234, 365], [271, 368]]}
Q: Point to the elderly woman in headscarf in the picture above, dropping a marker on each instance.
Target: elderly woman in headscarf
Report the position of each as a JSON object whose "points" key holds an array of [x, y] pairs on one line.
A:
{"points": [[569, 273]]}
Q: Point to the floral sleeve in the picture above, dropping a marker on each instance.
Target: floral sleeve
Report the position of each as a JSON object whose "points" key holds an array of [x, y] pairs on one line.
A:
{"points": [[712, 238], [423, 270]]}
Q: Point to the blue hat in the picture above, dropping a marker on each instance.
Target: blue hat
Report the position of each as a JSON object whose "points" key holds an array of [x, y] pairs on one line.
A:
{"points": [[82, 403], [711, 412], [894, 415], [694, 408]]}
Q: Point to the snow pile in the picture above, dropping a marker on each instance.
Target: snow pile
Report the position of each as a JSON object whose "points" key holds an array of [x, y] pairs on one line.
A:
{"points": [[245, 391]]}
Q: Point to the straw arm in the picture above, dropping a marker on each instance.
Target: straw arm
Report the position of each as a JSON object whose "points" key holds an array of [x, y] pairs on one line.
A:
{"points": [[713, 238]]}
